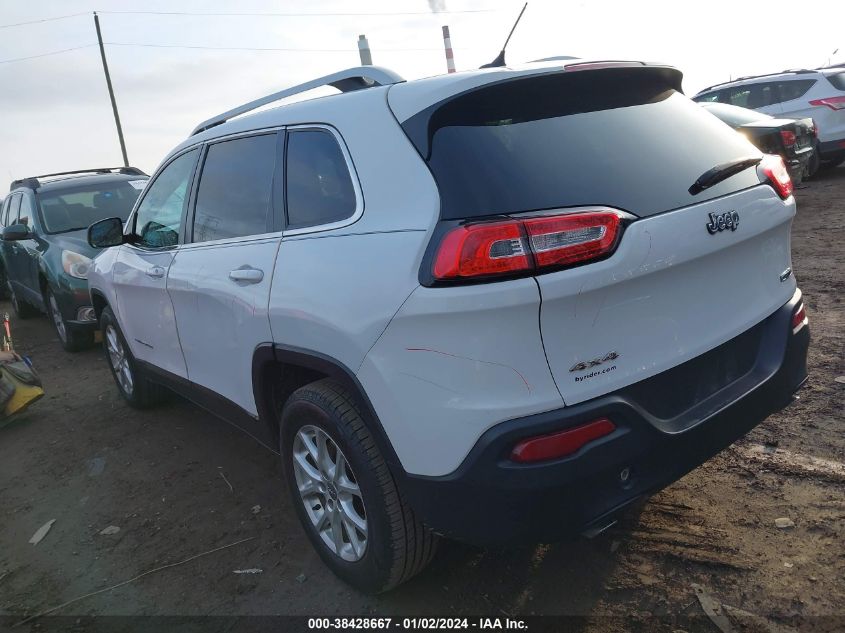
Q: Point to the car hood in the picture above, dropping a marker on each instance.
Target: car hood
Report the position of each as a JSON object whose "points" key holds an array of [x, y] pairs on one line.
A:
{"points": [[76, 241]]}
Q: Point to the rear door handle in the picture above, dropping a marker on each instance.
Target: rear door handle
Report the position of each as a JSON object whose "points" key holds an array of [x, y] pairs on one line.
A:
{"points": [[156, 272], [248, 275]]}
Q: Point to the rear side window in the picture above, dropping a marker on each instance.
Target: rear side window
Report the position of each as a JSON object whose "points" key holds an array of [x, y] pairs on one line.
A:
{"points": [[790, 90], [235, 189], [319, 187], [627, 140], [838, 80]]}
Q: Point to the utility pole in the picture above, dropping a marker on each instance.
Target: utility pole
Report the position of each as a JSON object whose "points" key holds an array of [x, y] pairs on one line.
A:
{"points": [[364, 51], [111, 91]]}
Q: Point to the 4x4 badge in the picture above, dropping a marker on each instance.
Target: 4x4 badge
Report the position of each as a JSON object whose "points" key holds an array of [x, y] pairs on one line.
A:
{"points": [[586, 364], [721, 221]]}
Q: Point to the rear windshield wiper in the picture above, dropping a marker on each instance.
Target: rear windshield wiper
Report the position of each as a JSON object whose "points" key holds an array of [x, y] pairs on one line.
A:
{"points": [[722, 172]]}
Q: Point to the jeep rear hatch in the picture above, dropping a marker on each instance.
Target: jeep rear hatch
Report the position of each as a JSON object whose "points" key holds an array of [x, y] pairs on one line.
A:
{"points": [[645, 220], [620, 137]]}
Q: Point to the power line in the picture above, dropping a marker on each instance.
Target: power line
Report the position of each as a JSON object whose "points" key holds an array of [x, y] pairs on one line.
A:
{"points": [[250, 48], [298, 15], [58, 17], [64, 50], [240, 14], [217, 48]]}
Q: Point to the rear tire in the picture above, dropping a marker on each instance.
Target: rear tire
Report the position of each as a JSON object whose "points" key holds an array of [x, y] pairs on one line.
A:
{"points": [[397, 545], [72, 340], [138, 391], [21, 308], [835, 161]]}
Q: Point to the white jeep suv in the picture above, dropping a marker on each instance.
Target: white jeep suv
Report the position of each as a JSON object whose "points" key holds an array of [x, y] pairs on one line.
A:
{"points": [[498, 306]]}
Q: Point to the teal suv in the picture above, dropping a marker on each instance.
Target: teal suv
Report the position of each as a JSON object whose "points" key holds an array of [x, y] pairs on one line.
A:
{"points": [[44, 254]]}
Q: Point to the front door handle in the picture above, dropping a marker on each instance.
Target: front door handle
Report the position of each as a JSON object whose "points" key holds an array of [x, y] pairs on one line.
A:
{"points": [[156, 272], [248, 275]]}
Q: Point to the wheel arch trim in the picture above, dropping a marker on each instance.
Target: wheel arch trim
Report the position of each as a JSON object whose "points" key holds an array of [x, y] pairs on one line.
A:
{"points": [[269, 355]]}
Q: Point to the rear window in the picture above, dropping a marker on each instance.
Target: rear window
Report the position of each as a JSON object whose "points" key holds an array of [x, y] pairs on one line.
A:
{"points": [[838, 80], [73, 209], [622, 138]]}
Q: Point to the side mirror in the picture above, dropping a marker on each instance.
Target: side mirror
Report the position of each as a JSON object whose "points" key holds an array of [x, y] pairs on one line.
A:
{"points": [[16, 232], [106, 233]]}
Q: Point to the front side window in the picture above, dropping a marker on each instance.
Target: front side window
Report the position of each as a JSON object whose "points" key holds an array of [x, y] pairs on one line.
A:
{"points": [[14, 207], [25, 213], [235, 189], [4, 211], [158, 220], [77, 208], [319, 187]]}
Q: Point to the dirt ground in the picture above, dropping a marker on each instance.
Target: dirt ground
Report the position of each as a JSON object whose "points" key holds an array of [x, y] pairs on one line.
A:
{"points": [[178, 482]]}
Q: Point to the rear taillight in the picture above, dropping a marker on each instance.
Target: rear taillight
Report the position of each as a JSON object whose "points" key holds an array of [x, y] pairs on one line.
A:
{"points": [[561, 444], [788, 138], [799, 318], [834, 103], [526, 245], [775, 170], [477, 250]]}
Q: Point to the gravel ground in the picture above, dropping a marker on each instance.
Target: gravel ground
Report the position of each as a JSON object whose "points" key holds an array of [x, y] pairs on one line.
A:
{"points": [[80, 456]]}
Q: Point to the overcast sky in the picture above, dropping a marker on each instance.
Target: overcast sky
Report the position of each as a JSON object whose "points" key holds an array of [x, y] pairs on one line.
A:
{"points": [[55, 113]]}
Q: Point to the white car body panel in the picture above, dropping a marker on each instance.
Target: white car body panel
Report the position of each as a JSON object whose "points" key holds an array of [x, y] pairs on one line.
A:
{"points": [[221, 320], [345, 316], [669, 293], [452, 363], [146, 312]]}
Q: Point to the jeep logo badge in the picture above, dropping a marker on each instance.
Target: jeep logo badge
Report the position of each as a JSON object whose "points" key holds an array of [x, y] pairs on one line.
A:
{"points": [[721, 221]]}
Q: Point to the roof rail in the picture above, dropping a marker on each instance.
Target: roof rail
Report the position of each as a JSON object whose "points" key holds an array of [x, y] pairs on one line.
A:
{"points": [[345, 81], [797, 71], [33, 183]]}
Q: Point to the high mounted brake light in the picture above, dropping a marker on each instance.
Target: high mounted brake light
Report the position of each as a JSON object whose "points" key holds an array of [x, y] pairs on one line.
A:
{"points": [[529, 245], [775, 170]]}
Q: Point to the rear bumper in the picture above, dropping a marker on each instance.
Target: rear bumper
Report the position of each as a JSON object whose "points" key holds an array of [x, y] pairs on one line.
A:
{"points": [[830, 149], [492, 500]]}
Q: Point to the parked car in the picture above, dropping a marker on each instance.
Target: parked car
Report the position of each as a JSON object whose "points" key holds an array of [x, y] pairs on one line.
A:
{"points": [[792, 139], [498, 306], [45, 254], [795, 94]]}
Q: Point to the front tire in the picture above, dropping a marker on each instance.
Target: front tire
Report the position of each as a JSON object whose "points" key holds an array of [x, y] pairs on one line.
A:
{"points": [[71, 340], [138, 391], [344, 493]]}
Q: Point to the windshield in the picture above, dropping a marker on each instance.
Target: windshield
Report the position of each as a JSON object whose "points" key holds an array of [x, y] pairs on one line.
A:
{"points": [[78, 208]]}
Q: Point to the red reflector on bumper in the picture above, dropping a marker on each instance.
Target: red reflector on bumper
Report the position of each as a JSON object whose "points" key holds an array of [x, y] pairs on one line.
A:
{"points": [[561, 444], [799, 319]]}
